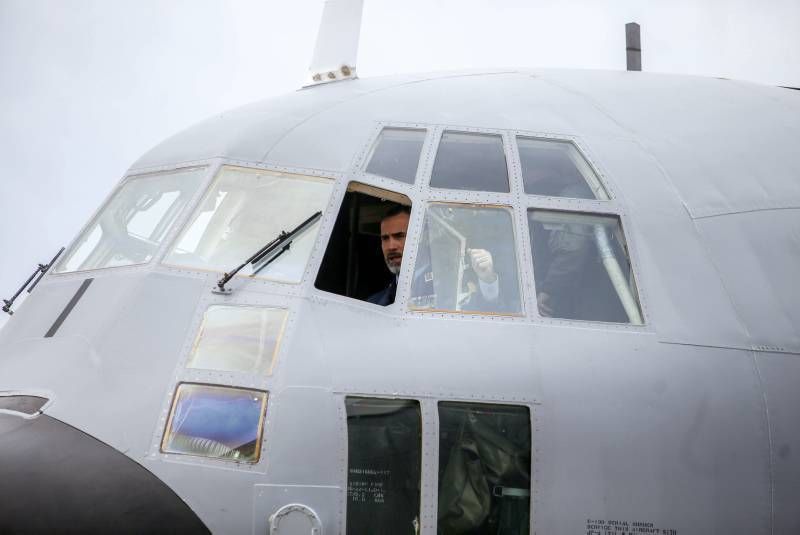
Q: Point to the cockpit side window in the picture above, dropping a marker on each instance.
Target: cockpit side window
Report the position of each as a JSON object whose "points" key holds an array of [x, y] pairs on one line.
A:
{"points": [[243, 211], [396, 154], [131, 227], [581, 267], [484, 468], [384, 460], [466, 261], [366, 246], [470, 161], [556, 169]]}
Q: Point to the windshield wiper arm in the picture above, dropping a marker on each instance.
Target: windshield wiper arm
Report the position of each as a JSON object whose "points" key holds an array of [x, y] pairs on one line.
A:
{"points": [[269, 252], [41, 270]]}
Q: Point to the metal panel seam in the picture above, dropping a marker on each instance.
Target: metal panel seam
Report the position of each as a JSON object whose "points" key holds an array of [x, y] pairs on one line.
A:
{"points": [[748, 211], [770, 444], [634, 136], [702, 241], [361, 95]]}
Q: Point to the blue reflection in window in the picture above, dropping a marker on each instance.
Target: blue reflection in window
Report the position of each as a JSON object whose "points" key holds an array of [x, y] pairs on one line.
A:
{"points": [[214, 421]]}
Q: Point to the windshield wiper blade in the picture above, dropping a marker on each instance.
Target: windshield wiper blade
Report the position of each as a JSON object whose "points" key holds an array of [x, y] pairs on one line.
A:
{"points": [[41, 270], [267, 254]]}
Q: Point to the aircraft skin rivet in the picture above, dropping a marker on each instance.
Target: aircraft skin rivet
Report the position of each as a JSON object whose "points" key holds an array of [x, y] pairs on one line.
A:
{"points": [[346, 70], [332, 75], [317, 77]]}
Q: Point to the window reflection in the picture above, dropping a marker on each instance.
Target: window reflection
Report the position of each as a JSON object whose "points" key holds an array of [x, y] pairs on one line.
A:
{"points": [[470, 161], [484, 469], [215, 421], [581, 267], [397, 153], [242, 212], [238, 339], [130, 228], [557, 169], [384, 441], [29, 405], [466, 261]]}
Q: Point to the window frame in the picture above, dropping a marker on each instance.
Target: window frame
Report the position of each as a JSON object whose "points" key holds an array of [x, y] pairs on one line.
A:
{"points": [[276, 351], [429, 466], [509, 208], [249, 167], [421, 194], [374, 187], [206, 167], [601, 184], [507, 154], [423, 449], [627, 249], [599, 207], [504, 403], [366, 157], [260, 429]]}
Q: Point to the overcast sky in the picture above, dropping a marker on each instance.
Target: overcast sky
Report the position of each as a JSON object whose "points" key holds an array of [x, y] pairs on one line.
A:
{"points": [[87, 86]]}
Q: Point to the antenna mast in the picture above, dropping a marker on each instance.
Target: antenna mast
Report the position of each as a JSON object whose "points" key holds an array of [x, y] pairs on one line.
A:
{"points": [[633, 46], [337, 42]]}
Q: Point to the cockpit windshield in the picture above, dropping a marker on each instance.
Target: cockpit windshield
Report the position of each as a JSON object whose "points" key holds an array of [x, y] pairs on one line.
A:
{"points": [[131, 227], [244, 209]]}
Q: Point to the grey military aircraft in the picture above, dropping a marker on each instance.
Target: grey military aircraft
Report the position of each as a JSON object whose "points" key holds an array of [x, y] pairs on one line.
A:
{"points": [[621, 356]]}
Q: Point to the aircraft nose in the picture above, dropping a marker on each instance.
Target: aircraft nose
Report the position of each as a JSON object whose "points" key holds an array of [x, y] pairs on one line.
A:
{"points": [[57, 479]]}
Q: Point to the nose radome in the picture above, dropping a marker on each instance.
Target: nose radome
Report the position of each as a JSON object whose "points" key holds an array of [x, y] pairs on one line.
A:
{"points": [[57, 479]]}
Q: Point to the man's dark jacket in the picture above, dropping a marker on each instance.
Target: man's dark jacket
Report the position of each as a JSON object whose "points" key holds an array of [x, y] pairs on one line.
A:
{"points": [[385, 296]]}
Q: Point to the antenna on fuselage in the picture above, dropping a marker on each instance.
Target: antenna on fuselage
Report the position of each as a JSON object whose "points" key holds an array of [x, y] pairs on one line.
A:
{"points": [[633, 46], [337, 42]]}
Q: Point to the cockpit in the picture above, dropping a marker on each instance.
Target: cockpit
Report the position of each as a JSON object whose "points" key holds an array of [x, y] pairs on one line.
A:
{"points": [[532, 207], [497, 225]]}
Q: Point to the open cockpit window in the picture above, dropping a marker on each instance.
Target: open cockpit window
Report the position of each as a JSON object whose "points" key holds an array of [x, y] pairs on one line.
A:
{"points": [[216, 421], [366, 247], [470, 161], [396, 154], [244, 210], [556, 169], [130, 228], [581, 267], [466, 261], [384, 454], [484, 469], [238, 339]]}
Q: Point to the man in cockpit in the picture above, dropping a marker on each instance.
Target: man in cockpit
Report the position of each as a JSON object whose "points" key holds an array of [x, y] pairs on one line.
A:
{"points": [[393, 238]]}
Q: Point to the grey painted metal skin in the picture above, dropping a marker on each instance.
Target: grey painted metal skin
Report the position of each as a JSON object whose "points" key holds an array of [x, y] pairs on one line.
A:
{"points": [[688, 422]]}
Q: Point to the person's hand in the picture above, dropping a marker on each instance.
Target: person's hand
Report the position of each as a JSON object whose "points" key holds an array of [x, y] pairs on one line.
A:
{"points": [[545, 308], [482, 264]]}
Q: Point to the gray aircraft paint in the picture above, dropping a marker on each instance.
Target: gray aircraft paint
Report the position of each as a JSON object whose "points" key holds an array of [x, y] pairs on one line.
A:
{"points": [[688, 422]]}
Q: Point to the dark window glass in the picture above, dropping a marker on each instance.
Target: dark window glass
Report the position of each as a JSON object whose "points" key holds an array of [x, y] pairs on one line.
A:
{"points": [[581, 267], [484, 469], [470, 161], [557, 169], [216, 421], [396, 154], [355, 261], [384, 440]]}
